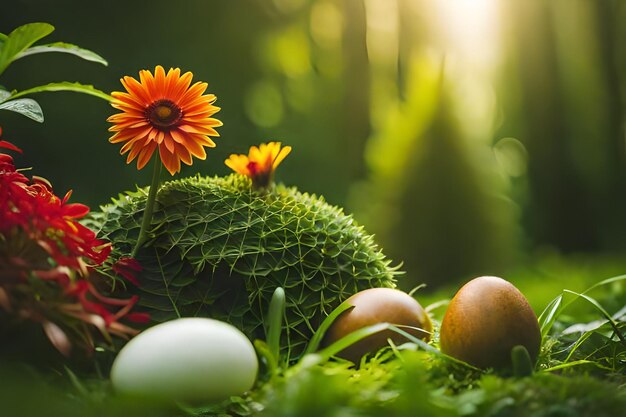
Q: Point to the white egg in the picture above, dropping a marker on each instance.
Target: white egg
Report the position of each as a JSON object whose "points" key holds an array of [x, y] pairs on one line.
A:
{"points": [[189, 359]]}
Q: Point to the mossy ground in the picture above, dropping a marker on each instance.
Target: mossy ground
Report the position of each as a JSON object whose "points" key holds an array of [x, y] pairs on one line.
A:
{"points": [[581, 372]]}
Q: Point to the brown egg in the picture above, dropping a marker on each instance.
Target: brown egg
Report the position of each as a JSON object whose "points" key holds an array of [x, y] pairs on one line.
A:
{"points": [[378, 305], [486, 318]]}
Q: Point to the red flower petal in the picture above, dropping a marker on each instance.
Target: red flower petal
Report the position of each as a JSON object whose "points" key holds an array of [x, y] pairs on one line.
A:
{"points": [[141, 318], [127, 268], [9, 145], [75, 210]]}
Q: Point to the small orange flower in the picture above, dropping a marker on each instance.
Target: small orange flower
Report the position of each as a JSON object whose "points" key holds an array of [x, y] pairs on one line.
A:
{"points": [[164, 111], [260, 162]]}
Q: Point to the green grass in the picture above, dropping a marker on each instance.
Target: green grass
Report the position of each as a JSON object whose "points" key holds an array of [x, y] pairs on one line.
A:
{"points": [[581, 370]]}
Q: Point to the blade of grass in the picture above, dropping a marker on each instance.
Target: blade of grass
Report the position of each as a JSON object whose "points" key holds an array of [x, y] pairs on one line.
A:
{"points": [[429, 308], [321, 331], [275, 320], [601, 309], [325, 354], [549, 314], [76, 383], [522, 364], [431, 349], [605, 282], [351, 339], [570, 365], [577, 344], [264, 352], [556, 306], [419, 342]]}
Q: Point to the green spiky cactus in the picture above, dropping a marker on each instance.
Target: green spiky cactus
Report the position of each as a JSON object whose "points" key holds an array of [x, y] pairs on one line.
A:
{"points": [[219, 249]]}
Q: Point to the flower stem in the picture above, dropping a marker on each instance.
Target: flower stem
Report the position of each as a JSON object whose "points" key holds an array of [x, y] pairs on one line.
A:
{"points": [[147, 214]]}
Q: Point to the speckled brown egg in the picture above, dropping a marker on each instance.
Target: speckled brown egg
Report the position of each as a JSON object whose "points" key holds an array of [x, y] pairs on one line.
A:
{"points": [[486, 318], [379, 305]]}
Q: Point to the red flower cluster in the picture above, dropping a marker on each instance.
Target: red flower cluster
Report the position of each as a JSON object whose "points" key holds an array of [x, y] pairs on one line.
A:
{"points": [[46, 261], [45, 218]]}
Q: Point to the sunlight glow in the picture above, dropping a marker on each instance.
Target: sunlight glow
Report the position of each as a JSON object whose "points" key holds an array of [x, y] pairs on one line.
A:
{"points": [[468, 33], [469, 29]]}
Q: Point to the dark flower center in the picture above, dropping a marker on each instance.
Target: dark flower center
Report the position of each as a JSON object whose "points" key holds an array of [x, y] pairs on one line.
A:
{"points": [[253, 167], [164, 113], [260, 178]]}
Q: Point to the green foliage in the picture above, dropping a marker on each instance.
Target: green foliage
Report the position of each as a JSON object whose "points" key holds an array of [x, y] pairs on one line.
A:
{"points": [[19, 40], [540, 396], [63, 86], [413, 384], [24, 106], [598, 346], [18, 44], [332, 389], [26, 392], [218, 248], [581, 373], [63, 47]]}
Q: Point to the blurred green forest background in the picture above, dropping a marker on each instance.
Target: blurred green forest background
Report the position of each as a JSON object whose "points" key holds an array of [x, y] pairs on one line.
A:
{"points": [[466, 134]]}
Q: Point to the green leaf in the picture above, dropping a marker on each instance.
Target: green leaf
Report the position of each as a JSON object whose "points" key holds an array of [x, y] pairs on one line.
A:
{"points": [[63, 47], [20, 39], [65, 86], [4, 95], [25, 106]]}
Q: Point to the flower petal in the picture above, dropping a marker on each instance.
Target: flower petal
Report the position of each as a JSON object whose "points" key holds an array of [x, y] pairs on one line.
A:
{"points": [[281, 155], [170, 161], [142, 126], [145, 154], [8, 145], [260, 162]]}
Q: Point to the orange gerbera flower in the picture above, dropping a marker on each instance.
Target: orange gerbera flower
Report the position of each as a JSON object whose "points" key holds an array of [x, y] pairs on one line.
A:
{"points": [[260, 162], [164, 112]]}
